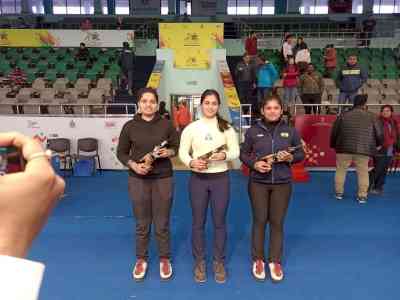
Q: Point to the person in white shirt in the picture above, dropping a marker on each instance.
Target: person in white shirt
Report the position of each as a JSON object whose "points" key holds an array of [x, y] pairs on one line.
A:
{"points": [[206, 147], [26, 200], [287, 47]]}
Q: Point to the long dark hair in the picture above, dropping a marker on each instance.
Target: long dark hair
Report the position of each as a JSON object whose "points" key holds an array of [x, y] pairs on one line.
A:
{"points": [[222, 123], [146, 90]]}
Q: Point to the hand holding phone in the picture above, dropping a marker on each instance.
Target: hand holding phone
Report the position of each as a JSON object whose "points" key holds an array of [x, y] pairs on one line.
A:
{"points": [[27, 197]]}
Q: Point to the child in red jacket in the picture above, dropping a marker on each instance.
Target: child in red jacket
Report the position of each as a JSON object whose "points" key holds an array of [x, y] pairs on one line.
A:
{"points": [[290, 77]]}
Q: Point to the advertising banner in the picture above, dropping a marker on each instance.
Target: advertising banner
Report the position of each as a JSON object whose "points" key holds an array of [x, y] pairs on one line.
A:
{"points": [[229, 87], [64, 38], [191, 42], [105, 130], [315, 130]]}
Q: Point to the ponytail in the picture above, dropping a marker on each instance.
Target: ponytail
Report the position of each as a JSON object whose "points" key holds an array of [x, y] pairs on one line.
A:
{"points": [[222, 123]]}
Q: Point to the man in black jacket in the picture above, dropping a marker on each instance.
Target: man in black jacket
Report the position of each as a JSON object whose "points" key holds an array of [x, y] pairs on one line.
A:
{"points": [[127, 63], [356, 136]]}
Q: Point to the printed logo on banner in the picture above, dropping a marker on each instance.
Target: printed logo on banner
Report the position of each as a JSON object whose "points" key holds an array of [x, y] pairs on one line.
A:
{"points": [[72, 124], [92, 39], [33, 124], [41, 137], [113, 149], [110, 124]]}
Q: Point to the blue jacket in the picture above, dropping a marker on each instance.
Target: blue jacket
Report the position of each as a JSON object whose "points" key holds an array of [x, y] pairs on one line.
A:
{"points": [[266, 75], [351, 78], [261, 141]]}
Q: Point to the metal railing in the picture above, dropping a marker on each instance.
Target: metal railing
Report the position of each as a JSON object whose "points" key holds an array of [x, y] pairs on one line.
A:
{"points": [[341, 107], [70, 109]]}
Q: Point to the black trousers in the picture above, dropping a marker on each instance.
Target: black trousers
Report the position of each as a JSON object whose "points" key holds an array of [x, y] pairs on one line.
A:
{"points": [[269, 204], [311, 99], [152, 202], [377, 176]]}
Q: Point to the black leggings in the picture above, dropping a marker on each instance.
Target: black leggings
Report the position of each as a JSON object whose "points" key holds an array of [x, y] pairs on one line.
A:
{"points": [[269, 204]]}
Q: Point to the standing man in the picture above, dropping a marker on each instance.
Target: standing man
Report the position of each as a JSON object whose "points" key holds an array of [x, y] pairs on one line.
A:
{"points": [[368, 27], [356, 136], [350, 79], [245, 77], [127, 63]]}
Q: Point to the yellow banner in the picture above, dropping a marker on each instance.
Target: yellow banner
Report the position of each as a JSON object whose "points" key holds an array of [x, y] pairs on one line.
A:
{"points": [[191, 42], [154, 80], [25, 38]]}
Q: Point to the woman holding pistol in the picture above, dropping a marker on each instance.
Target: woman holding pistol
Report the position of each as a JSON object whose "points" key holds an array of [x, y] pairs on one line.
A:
{"points": [[269, 149], [206, 147]]}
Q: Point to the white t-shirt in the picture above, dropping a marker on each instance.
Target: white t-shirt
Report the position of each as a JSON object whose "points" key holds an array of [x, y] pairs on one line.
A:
{"points": [[20, 278]]}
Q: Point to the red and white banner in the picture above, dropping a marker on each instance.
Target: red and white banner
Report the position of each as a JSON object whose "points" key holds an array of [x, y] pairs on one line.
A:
{"points": [[315, 130]]}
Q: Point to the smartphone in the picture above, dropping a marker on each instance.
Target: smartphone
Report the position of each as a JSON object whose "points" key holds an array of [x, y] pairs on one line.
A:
{"points": [[11, 160]]}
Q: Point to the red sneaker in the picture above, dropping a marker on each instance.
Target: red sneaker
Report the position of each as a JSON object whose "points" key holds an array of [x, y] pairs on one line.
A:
{"points": [[165, 269], [140, 269], [276, 271], [259, 270]]}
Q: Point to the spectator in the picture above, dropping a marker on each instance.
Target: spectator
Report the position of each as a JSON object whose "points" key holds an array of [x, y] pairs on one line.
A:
{"points": [[350, 79], [302, 55], [163, 111], [356, 135], [86, 24], [17, 77], [266, 77], [391, 146], [287, 47], [182, 116], [368, 27], [251, 45], [330, 61], [290, 80], [311, 88], [127, 63], [396, 54], [245, 77], [120, 23], [83, 52]]}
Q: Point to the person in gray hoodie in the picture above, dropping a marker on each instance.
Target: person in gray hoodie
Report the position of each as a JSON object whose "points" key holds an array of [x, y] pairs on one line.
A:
{"points": [[350, 79], [127, 63]]}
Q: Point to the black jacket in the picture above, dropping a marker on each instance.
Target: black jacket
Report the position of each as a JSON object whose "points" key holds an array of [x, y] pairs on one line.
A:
{"points": [[261, 141], [127, 60], [357, 132], [139, 137]]}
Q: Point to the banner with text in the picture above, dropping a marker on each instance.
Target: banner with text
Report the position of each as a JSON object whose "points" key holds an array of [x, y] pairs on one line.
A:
{"points": [[191, 42], [105, 130], [229, 87], [64, 38], [155, 76]]}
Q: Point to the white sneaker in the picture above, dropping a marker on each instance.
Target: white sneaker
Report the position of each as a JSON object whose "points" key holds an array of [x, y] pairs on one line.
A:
{"points": [[140, 269], [259, 270], [276, 272], [165, 269]]}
